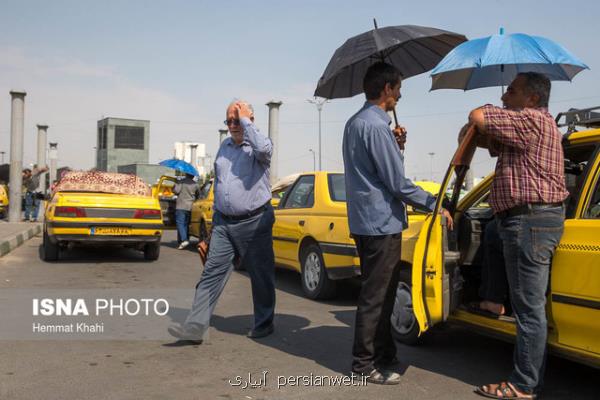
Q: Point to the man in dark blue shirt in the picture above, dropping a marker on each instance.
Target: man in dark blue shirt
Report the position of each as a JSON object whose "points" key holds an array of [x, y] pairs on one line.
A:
{"points": [[376, 190]]}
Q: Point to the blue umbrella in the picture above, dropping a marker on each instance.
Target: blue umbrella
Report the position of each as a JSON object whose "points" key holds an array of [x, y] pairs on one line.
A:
{"points": [[179, 165], [496, 60]]}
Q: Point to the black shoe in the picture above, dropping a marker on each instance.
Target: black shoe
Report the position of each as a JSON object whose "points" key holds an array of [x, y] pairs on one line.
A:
{"points": [[186, 333], [259, 333], [383, 377]]}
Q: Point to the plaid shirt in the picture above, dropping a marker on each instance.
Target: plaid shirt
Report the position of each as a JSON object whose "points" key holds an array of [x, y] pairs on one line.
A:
{"points": [[530, 166]]}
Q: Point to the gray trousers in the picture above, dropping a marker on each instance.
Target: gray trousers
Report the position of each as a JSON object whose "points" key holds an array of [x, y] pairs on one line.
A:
{"points": [[252, 240]]}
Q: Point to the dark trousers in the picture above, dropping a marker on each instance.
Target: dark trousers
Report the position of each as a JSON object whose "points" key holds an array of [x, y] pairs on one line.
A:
{"points": [[494, 284], [182, 221], [32, 206], [529, 241], [380, 269], [251, 240]]}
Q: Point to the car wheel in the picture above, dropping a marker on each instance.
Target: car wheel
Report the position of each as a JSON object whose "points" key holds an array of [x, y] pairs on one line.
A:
{"points": [[152, 251], [51, 250], [315, 282], [405, 326]]}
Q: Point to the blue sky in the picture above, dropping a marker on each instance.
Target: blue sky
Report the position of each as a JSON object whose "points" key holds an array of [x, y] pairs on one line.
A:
{"points": [[179, 63]]}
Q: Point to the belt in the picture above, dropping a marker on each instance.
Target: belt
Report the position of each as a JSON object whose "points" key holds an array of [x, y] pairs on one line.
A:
{"points": [[249, 214], [525, 209]]}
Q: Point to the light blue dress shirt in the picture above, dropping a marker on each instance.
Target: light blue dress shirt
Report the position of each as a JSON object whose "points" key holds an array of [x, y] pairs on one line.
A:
{"points": [[376, 187], [242, 172]]}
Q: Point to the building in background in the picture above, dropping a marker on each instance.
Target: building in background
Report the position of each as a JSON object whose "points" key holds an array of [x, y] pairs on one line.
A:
{"points": [[122, 141], [185, 151], [149, 173]]}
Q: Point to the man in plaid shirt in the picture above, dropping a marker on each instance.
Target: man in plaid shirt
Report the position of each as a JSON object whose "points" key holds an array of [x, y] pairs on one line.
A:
{"points": [[527, 198]]}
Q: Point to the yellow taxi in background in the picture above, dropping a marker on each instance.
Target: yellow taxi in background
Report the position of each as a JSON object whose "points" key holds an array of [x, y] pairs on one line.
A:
{"points": [[311, 233], [202, 209], [102, 208], [3, 201], [446, 265]]}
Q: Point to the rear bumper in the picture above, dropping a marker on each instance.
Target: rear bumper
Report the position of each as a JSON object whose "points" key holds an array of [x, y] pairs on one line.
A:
{"points": [[79, 232], [104, 239]]}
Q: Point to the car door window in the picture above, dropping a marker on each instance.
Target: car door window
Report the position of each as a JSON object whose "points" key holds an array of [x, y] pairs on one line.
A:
{"points": [[337, 187], [205, 189], [302, 195], [593, 209]]}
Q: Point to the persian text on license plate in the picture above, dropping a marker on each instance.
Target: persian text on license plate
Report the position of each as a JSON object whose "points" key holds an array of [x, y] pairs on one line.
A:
{"points": [[110, 230]]}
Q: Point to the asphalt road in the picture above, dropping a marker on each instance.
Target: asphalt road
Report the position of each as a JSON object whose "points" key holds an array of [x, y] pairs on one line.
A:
{"points": [[312, 339]]}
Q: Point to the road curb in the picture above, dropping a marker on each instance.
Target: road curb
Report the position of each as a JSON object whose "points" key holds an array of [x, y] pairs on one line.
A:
{"points": [[9, 244]]}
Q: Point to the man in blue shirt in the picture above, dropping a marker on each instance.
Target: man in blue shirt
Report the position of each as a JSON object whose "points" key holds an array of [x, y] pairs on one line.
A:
{"points": [[242, 227], [376, 190]]}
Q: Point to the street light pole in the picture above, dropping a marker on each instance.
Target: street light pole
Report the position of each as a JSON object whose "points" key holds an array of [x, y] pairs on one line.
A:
{"points": [[431, 155], [319, 104], [314, 159]]}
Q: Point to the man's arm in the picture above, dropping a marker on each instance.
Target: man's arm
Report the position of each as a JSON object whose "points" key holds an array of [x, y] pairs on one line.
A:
{"points": [[502, 127], [261, 144], [390, 168]]}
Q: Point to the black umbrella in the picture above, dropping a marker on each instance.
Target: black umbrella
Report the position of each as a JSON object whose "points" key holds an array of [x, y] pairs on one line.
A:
{"points": [[411, 49]]}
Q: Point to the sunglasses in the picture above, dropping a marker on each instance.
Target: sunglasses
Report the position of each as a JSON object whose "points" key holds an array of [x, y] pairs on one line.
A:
{"points": [[232, 121]]}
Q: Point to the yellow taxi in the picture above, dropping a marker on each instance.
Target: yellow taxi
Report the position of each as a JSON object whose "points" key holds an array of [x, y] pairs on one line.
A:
{"points": [[3, 201], [311, 233], [202, 209], [444, 273], [102, 208]]}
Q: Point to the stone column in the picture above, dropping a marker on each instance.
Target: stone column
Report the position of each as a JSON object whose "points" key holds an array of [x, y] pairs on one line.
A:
{"points": [[193, 155], [53, 156], [17, 120], [274, 136], [41, 154], [222, 135]]}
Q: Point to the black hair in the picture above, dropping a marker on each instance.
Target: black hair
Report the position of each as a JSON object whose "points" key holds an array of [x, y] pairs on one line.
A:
{"points": [[377, 76], [538, 84]]}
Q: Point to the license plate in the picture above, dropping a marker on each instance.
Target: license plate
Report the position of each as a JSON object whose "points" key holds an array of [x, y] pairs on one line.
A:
{"points": [[110, 230]]}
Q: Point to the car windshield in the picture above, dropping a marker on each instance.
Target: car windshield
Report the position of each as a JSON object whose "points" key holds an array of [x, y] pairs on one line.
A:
{"points": [[337, 187]]}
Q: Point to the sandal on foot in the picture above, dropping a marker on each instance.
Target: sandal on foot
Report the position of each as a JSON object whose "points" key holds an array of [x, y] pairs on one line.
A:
{"points": [[502, 390]]}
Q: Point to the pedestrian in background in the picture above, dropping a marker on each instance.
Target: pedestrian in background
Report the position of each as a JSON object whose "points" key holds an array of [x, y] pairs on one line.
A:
{"points": [[31, 183], [242, 227], [376, 190], [527, 197], [187, 191]]}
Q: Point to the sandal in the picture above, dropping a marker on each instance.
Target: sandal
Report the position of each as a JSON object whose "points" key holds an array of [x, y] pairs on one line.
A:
{"points": [[475, 308], [502, 390]]}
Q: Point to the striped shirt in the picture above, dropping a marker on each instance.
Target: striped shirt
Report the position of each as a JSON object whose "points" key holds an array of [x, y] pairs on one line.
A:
{"points": [[530, 166]]}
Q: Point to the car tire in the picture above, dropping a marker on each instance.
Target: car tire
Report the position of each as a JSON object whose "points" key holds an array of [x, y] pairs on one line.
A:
{"points": [[51, 250], [316, 285], [405, 327], [152, 251]]}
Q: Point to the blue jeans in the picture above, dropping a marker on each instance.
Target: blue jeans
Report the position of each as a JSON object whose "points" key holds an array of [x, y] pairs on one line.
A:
{"points": [[182, 221], [252, 240], [529, 241], [32, 206]]}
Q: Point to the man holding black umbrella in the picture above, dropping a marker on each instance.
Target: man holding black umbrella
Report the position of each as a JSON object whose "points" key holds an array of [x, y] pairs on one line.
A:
{"points": [[377, 189]]}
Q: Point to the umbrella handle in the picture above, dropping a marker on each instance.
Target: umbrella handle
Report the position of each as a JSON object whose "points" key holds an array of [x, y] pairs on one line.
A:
{"points": [[397, 125]]}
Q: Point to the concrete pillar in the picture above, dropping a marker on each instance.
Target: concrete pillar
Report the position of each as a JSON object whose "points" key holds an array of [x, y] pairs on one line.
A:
{"points": [[222, 135], [41, 154], [193, 155], [53, 156], [274, 136], [17, 120]]}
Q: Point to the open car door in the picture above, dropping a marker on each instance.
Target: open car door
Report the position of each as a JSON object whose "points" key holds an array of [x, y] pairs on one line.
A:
{"points": [[435, 262], [163, 190]]}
